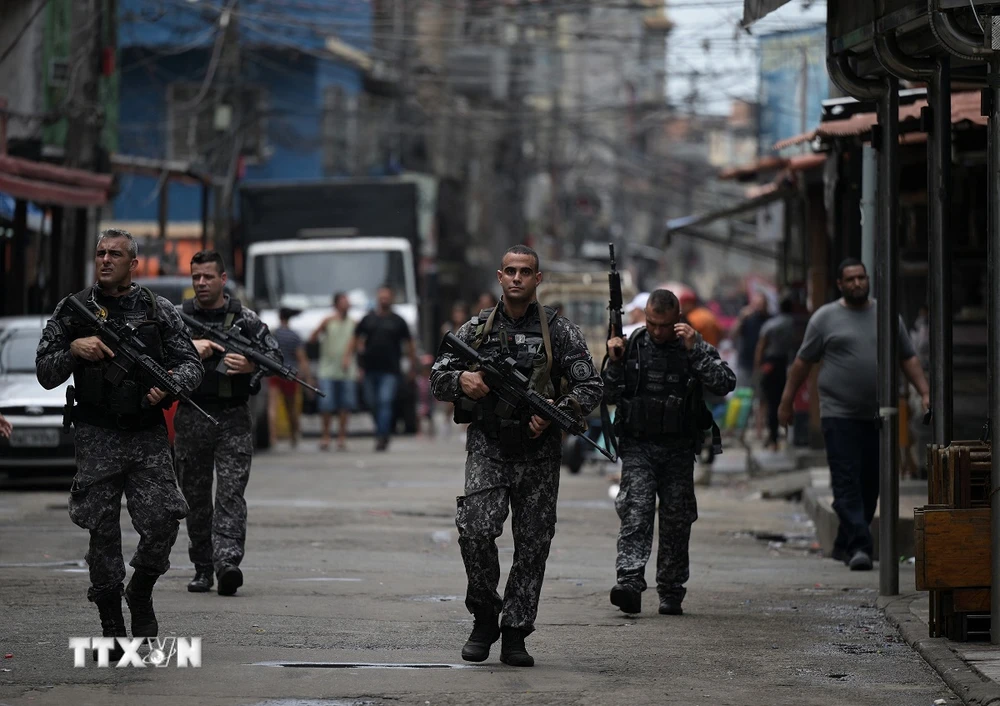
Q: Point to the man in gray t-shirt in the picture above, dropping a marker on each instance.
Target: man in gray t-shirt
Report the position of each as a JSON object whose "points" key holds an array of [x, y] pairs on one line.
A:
{"points": [[843, 336]]}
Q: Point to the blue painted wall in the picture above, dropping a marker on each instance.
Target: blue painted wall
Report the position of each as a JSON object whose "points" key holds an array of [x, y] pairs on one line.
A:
{"points": [[163, 41]]}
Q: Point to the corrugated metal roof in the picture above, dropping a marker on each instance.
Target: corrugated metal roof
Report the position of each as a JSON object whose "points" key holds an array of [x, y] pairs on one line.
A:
{"points": [[965, 108]]}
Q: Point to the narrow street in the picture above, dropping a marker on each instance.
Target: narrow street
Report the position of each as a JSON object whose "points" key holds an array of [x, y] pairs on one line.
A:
{"points": [[352, 559]]}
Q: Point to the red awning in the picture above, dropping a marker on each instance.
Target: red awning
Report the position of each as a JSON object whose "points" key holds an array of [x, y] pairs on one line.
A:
{"points": [[51, 184], [965, 108]]}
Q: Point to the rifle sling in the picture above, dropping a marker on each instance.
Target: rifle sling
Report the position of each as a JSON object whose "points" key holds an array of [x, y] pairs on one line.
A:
{"points": [[546, 339]]}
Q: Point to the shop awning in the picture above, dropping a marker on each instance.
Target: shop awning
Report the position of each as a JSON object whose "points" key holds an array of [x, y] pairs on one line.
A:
{"points": [[172, 170], [759, 196], [753, 10], [44, 183], [764, 197], [796, 163], [966, 107]]}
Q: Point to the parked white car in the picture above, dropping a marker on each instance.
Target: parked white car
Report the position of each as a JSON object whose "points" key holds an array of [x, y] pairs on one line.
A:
{"points": [[38, 440]]}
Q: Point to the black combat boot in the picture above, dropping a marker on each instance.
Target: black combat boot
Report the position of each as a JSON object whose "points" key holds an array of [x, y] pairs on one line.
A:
{"points": [[670, 606], [139, 596], [112, 623], [230, 578], [626, 598], [203, 580], [485, 631], [512, 649]]}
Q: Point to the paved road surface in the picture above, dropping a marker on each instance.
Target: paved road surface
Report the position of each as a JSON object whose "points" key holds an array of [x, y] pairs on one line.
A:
{"points": [[353, 559]]}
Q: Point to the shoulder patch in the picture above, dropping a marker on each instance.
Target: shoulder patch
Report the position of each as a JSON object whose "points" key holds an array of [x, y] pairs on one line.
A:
{"points": [[581, 370]]}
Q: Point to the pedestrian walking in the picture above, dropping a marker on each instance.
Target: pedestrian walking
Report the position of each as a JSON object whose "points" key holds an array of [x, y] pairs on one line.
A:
{"points": [[459, 315], [843, 336], [121, 436], [513, 457], [747, 334], [486, 300], [222, 453], [380, 337], [284, 391], [337, 371], [700, 318], [776, 345], [658, 381], [636, 310]]}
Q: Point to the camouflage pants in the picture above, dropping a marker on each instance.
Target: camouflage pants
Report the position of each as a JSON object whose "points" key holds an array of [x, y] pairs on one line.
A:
{"points": [[138, 464], [215, 537], [530, 488], [651, 470]]}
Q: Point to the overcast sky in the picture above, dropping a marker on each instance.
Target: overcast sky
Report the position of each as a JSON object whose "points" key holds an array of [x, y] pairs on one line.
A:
{"points": [[728, 64]]}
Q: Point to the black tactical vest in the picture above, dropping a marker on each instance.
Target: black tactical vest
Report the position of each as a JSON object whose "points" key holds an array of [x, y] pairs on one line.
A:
{"points": [[505, 423], [98, 402], [661, 398], [218, 388]]}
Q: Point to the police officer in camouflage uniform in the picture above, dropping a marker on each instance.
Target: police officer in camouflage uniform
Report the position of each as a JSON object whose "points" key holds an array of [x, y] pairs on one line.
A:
{"points": [[216, 539], [658, 382], [513, 457], [121, 438]]}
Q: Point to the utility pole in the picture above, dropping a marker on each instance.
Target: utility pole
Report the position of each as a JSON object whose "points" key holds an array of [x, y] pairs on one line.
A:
{"points": [[227, 120], [515, 97], [803, 96], [402, 21], [85, 120], [555, 121]]}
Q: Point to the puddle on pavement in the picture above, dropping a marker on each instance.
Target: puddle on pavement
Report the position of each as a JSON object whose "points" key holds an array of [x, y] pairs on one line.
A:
{"points": [[586, 504], [418, 484], [312, 702], [441, 536], [41, 564], [360, 665], [290, 502], [436, 599]]}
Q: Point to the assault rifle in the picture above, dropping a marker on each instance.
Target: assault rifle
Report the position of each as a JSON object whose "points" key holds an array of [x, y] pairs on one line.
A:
{"points": [[615, 328], [615, 305], [234, 342], [130, 355], [511, 386]]}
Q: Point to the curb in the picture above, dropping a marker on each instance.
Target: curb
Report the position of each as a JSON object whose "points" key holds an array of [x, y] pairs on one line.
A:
{"points": [[967, 684]]}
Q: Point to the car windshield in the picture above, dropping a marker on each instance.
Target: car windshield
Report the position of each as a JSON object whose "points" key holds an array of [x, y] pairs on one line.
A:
{"points": [[17, 352], [313, 277]]}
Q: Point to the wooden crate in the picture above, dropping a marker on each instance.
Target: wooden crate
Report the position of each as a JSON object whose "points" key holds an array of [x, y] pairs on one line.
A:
{"points": [[952, 548], [952, 539]]}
